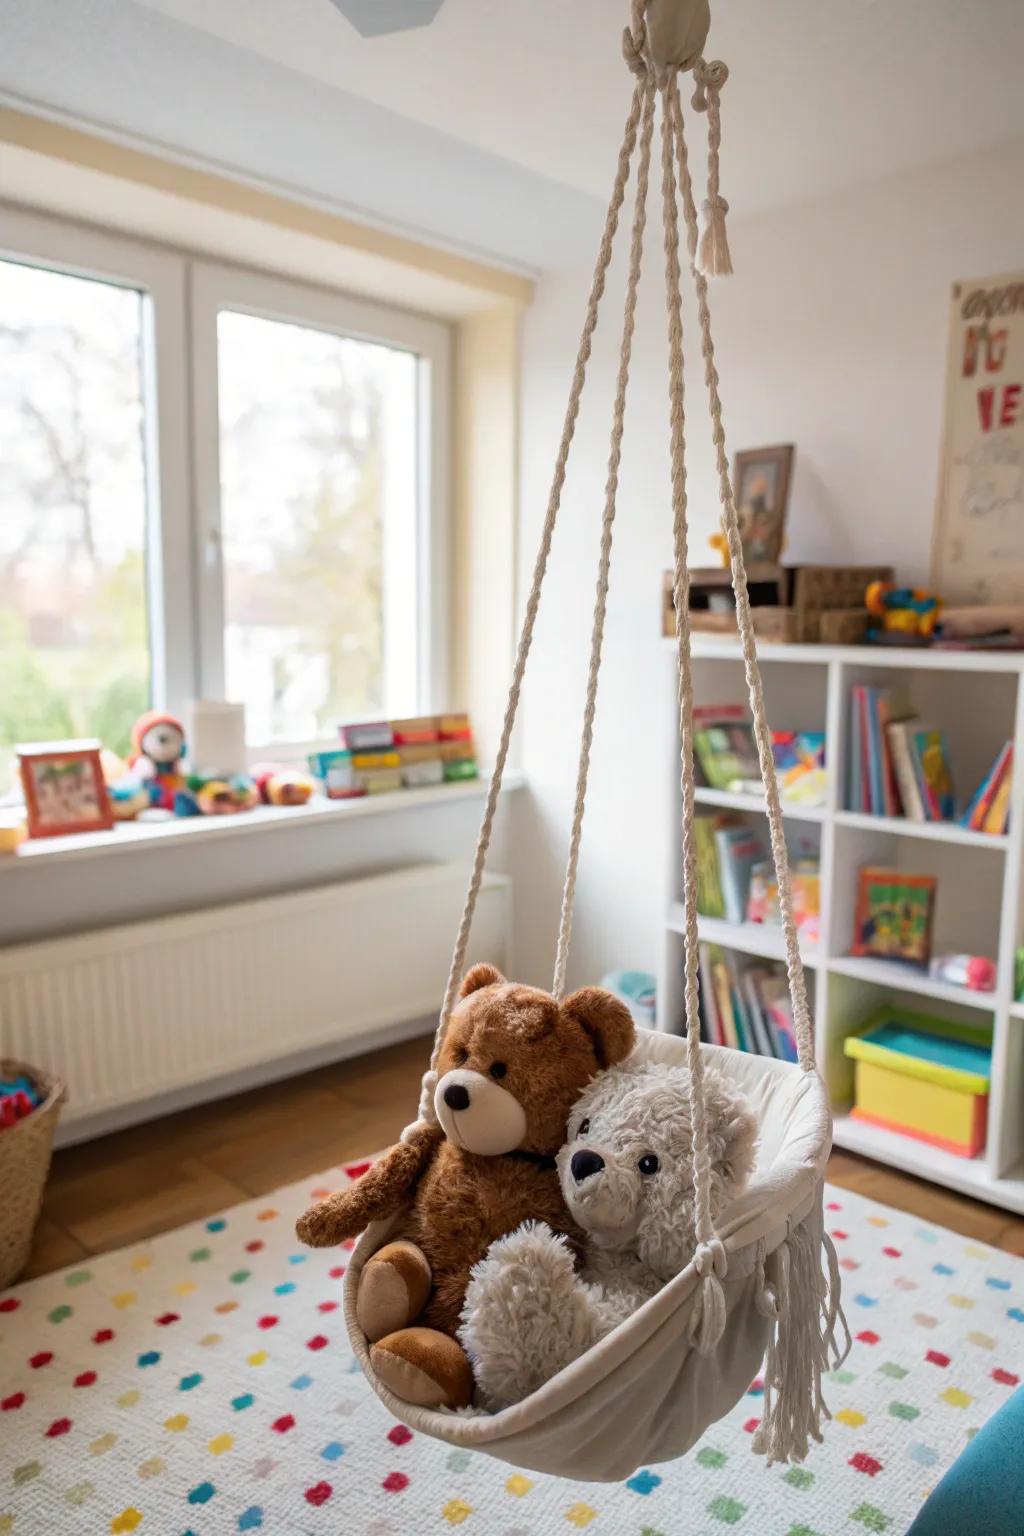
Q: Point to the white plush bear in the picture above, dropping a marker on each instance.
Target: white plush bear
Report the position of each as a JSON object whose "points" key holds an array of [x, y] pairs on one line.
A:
{"points": [[627, 1178]]}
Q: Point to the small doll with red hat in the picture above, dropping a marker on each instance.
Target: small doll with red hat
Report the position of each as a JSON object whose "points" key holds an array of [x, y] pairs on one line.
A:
{"points": [[158, 756]]}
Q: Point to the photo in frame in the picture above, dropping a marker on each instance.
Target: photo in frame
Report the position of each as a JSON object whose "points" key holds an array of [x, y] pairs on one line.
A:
{"points": [[64, 788], [760, 483]]}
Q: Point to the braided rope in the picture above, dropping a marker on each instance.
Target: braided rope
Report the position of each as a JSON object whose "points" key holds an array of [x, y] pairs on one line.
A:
{"points": [[755, 687], [426, 1105], [708, 1318], [607, 525]]}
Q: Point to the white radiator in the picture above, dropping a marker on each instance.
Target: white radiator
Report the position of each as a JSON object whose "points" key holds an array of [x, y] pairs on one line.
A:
{"points": [[131, 1013]]}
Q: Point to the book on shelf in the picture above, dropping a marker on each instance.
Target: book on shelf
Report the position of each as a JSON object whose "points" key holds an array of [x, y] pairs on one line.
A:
{"points": [[897, 765], [736, 880], [745, 1004], [726, 756], [723, 743], [872, 777], [738, 851], [989, 808], [931, 762], [898, 734], [710, 900], [893, 920]]}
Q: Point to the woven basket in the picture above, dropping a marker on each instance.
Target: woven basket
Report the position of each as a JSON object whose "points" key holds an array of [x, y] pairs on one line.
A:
{"points": [[24, 1163]]}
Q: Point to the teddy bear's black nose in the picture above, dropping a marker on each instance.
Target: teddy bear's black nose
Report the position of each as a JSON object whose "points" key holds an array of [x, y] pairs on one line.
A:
{"points": [[456, 1096], [584, 1164]]}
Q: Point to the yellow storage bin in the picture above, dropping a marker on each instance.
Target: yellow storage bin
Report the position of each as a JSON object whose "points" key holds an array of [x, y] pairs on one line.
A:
{"points": [[924, 1077]]}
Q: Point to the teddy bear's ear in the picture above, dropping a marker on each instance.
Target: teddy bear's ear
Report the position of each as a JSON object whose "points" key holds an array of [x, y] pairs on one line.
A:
{"points": [[478, 976], [606, 1020]]}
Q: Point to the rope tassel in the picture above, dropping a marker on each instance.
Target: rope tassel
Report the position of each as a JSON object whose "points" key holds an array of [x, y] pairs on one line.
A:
{"points": [[714, 258]]}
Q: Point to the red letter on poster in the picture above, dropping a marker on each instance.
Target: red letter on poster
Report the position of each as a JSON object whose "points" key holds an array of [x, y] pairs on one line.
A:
{"points": [[985, 401]]}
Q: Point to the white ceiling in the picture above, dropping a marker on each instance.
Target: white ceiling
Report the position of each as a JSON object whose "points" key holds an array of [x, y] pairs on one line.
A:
{"points": [[823, 92], [496, 127]]}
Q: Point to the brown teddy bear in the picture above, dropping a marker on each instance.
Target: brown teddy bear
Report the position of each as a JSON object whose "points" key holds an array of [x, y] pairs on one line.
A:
{"points": [[513, 1063]]}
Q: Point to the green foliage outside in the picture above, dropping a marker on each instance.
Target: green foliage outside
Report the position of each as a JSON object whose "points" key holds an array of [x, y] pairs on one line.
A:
{"points": [[98, 689]]}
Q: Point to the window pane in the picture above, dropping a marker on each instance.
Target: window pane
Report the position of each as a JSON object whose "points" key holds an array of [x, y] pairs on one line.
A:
{"points": [[318, 522], [74, 645]]}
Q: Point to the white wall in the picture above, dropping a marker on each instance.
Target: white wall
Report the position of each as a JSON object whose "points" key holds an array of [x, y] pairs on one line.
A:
{"points": [[831, 335]]}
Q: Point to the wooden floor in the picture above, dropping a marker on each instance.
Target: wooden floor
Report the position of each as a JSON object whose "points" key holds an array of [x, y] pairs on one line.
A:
{"points": [[129, 1186]]}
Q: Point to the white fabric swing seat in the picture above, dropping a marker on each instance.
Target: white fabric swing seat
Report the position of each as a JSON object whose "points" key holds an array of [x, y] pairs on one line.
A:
{"points": [[645, 1393]]}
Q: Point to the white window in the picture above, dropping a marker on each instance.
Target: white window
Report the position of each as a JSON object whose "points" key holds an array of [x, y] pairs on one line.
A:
{"points": [[247, 504], [93, 512], [320, 439]]}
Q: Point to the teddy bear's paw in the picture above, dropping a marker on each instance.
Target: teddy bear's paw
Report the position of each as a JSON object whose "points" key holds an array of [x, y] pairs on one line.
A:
{"points": [[317, 1227], [425, 1367], [513, 1322], [393, 1289], [532, 1255]]}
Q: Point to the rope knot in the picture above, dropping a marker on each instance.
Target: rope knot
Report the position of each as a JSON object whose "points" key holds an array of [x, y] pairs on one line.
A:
{"points": [[711, 1259], [633, 45], [708, 77]]}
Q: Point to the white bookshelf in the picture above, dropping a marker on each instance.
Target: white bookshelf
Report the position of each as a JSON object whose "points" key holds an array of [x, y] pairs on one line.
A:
{"points": [[978, 699]]}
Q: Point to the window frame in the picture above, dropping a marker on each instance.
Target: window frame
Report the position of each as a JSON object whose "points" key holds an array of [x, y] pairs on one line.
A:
{"points": [[213, 287], [78, 250]]}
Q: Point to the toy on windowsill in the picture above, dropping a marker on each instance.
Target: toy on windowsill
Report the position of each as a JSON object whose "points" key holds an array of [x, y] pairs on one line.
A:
{"points": [[975, 972], [216, 794], [13, 830], [128, 791], [908, 615], [158, 757], [278, 785]]}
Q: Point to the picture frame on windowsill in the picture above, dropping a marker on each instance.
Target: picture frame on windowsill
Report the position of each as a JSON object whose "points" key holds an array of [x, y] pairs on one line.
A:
{"points": [[64, 788]]}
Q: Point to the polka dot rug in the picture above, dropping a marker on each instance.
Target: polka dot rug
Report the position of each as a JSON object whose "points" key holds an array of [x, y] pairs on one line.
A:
{"points": [[202, 1385]]}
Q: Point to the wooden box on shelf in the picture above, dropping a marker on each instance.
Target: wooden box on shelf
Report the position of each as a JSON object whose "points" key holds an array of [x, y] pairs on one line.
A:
{"points": [[790, 604], [711, 609], [816, 590]]}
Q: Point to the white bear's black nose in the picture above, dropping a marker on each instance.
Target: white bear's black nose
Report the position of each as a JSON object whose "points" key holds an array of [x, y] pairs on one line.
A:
{"points": [[584, 1164], [456, 1096]]}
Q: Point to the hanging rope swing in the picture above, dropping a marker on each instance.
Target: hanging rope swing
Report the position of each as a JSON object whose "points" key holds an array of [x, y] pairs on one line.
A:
{"points": [[755, 1287]]}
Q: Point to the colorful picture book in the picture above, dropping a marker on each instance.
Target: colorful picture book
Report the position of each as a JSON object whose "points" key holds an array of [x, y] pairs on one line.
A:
{"points": [[745, 1005], [894, 915], [723, 742], [727, 758], [736, 876], [989, 808]]}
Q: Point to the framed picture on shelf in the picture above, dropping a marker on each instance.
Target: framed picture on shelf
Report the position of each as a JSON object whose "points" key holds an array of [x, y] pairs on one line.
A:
{"points": [[760, 486], [64, 788], [894, 916]]}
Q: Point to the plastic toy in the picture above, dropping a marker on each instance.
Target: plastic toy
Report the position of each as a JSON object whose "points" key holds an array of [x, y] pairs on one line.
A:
{"points": [[212, 794], [279, 785], [904, 611], [18, 1098], [129, 791], [13, 831], [925, 1077], [975, 972], [158, 756]]}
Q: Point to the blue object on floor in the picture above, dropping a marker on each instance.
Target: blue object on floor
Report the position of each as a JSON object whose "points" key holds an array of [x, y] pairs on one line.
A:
{"points": [[982, 1494]]}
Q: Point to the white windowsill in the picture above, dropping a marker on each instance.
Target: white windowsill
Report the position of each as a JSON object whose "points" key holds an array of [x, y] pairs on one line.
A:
{"points": [[264, 818]]}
